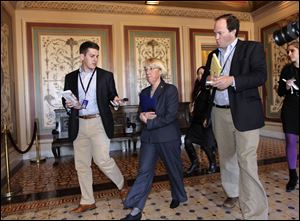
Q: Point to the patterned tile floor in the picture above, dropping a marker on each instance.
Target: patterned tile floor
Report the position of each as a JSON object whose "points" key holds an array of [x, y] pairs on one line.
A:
{"points": [[50, 192]]}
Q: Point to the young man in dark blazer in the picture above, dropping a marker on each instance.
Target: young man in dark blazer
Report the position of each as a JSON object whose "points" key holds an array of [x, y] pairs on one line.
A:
{"points": [[91, 123], [237, 116]]}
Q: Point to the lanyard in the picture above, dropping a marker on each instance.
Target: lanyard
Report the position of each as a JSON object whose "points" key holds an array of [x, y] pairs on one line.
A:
{"points": [[85, 91], [227, 60]]}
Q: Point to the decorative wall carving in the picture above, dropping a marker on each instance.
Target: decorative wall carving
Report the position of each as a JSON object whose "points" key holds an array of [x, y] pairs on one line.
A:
{"points": [[8, 102], [142, 43], [5, 80], [114, 8], [276, 59], [151, 48]]}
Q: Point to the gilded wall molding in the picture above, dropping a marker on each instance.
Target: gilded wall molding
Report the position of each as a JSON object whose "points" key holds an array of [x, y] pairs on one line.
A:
{"points": [[122, 8]]}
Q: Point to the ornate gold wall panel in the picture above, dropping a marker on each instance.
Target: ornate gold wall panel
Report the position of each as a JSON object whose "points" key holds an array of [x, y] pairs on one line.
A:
{"points": [[8, 99], [142, 43]]}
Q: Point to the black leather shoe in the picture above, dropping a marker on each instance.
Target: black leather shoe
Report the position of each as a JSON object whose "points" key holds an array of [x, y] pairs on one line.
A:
{"points": [[130, 217], [174, 204], [212, 168]]}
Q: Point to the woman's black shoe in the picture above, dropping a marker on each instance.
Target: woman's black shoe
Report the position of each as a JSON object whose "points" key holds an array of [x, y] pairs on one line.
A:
{"points": [[130, 217], [194, 168], [291, 185], [174, 204]]}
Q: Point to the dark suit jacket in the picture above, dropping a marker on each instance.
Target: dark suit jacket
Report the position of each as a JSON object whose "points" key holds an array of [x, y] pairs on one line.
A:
{"points": [[201, 98], [248, 67], [105, 91], [164, 127]]}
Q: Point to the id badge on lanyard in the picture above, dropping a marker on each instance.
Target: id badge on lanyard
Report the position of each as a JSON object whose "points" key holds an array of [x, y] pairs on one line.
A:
{"points": [[85, 101]]}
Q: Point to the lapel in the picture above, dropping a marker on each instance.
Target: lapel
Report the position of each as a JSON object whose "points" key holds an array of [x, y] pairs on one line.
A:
{"points": [[160, 89], [99, 80], [74, 83], [234, 61]]}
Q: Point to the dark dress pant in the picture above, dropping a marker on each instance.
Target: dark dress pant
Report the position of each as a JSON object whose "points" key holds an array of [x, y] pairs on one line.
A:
{"points": [[170, 154]]}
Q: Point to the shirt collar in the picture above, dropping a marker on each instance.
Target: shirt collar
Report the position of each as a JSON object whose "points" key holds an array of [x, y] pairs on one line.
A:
{"points": [[81, 70], [229, 47]]}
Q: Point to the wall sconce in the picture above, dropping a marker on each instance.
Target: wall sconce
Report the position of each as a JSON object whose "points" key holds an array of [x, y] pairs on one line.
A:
{"points": [[151, 2]]}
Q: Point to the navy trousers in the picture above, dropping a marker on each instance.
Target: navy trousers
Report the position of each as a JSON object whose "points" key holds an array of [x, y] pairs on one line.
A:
{"points": [[170, 154]]}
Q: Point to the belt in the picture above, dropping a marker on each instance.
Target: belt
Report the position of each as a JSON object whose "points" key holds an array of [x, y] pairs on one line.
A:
{"points": [[222, 106], [90, 116]]}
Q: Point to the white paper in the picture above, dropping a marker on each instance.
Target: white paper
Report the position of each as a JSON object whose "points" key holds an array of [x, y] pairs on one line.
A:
{"points": [[292, 84], [69, 96]]}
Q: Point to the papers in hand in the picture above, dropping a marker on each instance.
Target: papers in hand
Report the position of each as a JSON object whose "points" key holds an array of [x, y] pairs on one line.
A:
{"points": [[292, 85], [69, 96], [215, 67]]}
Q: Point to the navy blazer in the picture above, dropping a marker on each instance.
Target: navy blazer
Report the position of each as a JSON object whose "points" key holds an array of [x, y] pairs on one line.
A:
{"points": [[105, 92], [248, 67], [164, 127]]}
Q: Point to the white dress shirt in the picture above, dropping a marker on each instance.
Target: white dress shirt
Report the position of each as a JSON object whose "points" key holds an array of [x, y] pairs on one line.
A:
{"points": [[90, 95], [225, 58]]}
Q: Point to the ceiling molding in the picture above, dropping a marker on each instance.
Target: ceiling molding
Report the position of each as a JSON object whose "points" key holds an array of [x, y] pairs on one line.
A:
{"points": [[274, 4], [122, 8]]}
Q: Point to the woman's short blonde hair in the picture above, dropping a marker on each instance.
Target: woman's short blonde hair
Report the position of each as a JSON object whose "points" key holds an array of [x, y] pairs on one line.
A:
{"points": [[295, 43], [156, 63]]}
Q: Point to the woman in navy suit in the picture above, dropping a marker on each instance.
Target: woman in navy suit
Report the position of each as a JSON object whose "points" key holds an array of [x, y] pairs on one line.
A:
{"points": [[160, 138]]}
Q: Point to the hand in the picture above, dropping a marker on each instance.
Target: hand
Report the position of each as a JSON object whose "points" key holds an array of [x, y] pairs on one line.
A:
{"points": [[150, 115], [222, 82], [205, 124], [289, 83], [143, 117], [117, 101], [69, 104]]}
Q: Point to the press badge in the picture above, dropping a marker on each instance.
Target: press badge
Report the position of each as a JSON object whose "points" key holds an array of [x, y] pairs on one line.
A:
{"points": [[84, 104]]}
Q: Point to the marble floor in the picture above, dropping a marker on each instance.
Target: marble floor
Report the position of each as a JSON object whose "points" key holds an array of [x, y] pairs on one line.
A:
{"points": [[49, 192]]}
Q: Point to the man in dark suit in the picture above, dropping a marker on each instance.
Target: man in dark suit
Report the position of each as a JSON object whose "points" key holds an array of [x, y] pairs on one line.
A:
{"points": [[91, 123], [237, 116], [160, 138]]}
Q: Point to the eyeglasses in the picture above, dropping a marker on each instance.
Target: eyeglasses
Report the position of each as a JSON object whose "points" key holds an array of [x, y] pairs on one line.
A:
{"points": [[150, 68]]}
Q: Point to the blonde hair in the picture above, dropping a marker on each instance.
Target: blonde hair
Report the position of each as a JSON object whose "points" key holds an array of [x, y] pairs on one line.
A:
{"points": [[156, 63], [294, 43]]}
